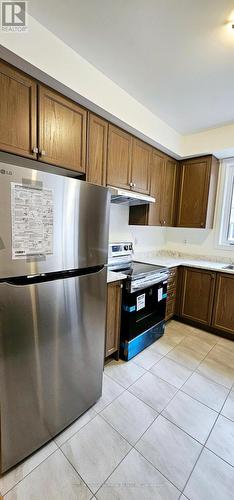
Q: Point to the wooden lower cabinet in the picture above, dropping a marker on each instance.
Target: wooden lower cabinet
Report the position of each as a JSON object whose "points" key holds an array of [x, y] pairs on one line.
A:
{"points": [[114, 297], [197, 295], [223, 313]]}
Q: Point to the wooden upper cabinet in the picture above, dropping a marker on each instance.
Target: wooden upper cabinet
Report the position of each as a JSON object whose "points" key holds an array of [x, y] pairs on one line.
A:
{"points": [[197, 295], [140, 171], [97, 150], [18, 103], [168, 204], [156, 188], [163, 187], [119, 158], [62, 131], [198, 186], [223, 314]]}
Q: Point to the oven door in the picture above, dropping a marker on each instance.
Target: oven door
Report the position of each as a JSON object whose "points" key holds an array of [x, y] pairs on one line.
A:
{"points": [[143, 309]]}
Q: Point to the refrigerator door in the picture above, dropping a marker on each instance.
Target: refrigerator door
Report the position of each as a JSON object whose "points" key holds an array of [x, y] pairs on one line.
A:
{"points": [[50, 223], [51, 359]]}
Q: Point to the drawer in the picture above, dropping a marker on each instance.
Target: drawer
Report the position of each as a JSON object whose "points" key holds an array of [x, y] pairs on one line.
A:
{"points": [[171, 284], [172, 272], [170, 309], [171, 294]]}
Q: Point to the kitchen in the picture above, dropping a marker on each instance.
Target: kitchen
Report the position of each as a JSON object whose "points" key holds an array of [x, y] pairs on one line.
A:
{"points": [[107, 182]]}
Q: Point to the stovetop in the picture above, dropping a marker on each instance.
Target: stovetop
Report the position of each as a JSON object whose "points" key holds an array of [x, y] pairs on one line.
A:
{"points": [[136, 269]]}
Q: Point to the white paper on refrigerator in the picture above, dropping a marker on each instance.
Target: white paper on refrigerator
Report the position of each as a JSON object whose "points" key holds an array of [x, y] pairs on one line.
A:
{"points": [[32, 221]]}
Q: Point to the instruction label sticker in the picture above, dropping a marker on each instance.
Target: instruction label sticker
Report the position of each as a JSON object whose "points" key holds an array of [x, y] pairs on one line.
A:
{"points": [[140, 302], [32, 221], [160, 294]]}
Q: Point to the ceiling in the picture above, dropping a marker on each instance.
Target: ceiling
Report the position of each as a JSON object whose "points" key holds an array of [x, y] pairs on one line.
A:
{"points": [[174, 56]]}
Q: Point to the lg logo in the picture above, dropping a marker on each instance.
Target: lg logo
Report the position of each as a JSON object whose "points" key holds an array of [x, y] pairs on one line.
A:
{"points": [[14, 16]]}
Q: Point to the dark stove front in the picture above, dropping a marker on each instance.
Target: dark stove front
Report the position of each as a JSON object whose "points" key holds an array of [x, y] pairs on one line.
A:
{"points": [[142, 318]]}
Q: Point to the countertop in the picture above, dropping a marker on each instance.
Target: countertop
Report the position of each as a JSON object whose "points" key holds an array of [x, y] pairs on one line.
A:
{"points": [[170, 261], [111, 277]]}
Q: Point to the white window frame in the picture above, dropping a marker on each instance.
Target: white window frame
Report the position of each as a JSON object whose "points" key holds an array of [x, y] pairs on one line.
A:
{"points": [[226, 201]]}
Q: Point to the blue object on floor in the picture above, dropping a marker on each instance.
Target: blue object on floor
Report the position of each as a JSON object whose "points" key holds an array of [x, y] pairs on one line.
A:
{"points": [[130, 349]]}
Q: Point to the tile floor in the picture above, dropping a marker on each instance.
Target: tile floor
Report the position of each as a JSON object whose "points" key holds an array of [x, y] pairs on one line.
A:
{"points": [[163, 429]]}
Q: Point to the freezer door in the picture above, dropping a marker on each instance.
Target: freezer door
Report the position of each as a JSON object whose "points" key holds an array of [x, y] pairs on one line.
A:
{"points": [[51, 359], [50, 222]]}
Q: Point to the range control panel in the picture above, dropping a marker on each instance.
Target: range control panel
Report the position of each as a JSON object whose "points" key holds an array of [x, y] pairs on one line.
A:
{"points": [[120, 249]]}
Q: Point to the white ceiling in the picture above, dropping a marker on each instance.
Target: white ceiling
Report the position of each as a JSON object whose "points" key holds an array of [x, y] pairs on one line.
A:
{"points": [[174, 56]]}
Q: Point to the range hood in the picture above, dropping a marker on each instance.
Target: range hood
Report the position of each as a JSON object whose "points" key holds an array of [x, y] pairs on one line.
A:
{"points": [[124, 197]]}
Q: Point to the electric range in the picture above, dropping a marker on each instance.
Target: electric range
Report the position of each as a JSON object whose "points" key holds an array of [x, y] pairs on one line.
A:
{"points": [[143, 299]]}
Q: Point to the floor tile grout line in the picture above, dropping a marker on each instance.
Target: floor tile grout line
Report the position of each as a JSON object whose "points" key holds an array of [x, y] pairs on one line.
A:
{"points": [[204, 446], [178, 389], [159, 413], [59, 447], [65, 456], [31, 471], [218, 456], [134, 447]]}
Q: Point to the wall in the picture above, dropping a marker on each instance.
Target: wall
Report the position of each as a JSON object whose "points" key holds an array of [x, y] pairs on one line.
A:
{"points": [[185, 240], [143, 238], [45, 51], [41, 51], [202, 241]]}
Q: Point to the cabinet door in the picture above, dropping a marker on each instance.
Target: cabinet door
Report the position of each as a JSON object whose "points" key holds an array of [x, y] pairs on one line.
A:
{"points": [[97, 150], [17, 112], [156, 189], [168, 214], [197, 295], [119, 158], [194, 190], [62, 131], [114, 294], [223, 316], [141, 158]]}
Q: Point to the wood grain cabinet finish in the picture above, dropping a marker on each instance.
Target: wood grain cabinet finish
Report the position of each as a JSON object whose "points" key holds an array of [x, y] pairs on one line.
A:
{"points": [[197, 295], [198, 186], [18, 102], [114, 296], [140, 169], [168, 208], [62, 131], [171, 293], [156, 188], [119, 158], [96, 150], [163, 187], [223, 314]]}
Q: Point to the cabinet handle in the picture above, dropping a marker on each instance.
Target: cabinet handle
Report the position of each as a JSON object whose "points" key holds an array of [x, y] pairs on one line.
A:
{"points": [[202, 224], [212, 276], [134, 185], [35, 150], [131, 184], [42, 152]]}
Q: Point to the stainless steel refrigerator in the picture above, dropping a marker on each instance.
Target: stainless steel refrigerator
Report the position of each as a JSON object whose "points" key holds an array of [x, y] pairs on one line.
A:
{"points": [[53, 251]]}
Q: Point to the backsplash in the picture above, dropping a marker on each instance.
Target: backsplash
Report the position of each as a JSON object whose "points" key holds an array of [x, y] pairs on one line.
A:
{"points": [[143, 238]]}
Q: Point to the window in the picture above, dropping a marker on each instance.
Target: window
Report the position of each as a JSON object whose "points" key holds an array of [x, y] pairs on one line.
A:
{"points": [[227, 225]]}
